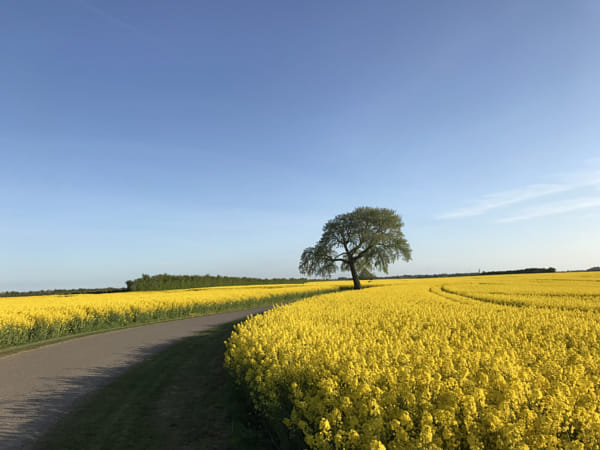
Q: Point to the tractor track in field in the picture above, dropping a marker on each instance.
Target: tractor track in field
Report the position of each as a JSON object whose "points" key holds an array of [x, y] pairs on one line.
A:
{"points": [[40, 385]]}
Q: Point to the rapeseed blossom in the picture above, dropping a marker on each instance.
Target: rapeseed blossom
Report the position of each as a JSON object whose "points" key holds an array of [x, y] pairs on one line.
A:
{"points": [[475, 362], [37, 318]]}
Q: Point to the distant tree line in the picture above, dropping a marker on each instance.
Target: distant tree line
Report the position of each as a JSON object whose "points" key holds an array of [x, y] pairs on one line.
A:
{"points": [[471, 274], [528, 270], [61, 292], [165, 281], [162, 282]]}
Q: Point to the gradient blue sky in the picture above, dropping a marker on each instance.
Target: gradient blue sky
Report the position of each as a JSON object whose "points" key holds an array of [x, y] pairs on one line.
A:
{"points": [[197, 137]]}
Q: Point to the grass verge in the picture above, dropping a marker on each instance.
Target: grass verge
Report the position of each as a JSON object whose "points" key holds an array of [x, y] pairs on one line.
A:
{"points": [[179, 398]]}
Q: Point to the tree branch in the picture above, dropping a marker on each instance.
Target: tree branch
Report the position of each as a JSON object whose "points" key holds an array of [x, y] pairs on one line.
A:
{"points": [[364, 251]]}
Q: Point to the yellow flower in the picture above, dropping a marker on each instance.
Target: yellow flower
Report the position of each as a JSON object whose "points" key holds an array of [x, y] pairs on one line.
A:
{"points": [[497, 361]]}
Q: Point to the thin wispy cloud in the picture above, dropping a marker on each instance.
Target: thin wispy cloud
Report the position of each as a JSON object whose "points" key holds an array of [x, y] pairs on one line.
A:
{"points": [[499, 200], [555, 208], [570, 184]]}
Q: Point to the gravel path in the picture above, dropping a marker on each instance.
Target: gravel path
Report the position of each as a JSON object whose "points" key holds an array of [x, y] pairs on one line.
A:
{"points": [[38, 386]]}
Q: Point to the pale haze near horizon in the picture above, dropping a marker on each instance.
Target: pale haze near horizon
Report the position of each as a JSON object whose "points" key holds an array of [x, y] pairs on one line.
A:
{"points": [[220, 137]]}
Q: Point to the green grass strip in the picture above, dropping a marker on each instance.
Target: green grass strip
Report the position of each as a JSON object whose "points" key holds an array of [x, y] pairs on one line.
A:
{"points": [[179, 398]]}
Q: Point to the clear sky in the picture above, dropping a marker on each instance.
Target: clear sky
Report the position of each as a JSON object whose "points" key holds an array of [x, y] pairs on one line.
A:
{"points": [[218, 137]]}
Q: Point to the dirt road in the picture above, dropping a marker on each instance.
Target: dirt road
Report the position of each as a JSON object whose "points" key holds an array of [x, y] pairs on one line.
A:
{"points": [[38, 386]]}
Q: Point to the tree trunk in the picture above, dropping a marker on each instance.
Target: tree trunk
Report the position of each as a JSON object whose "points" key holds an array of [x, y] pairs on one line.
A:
{"points": [[354, 275]]}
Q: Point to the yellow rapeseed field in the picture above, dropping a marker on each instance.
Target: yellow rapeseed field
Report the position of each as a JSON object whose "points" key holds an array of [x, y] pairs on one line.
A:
{"points": [[483, 362], [31, 319]]}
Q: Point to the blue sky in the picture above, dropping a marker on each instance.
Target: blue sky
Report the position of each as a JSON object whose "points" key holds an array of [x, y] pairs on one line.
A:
{"points": [[218, 137]]}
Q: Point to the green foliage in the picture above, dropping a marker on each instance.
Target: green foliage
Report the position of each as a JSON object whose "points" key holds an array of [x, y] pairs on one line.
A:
{"points": [[528, 270], [61, 292], [165, 281], [366, 275], [362, 240]]}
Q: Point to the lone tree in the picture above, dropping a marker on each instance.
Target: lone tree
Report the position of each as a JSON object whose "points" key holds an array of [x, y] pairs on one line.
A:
{"points": [[364, 239]]}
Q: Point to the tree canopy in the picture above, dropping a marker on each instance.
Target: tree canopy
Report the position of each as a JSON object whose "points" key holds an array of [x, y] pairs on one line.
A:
{"points": [[362, 240]]}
